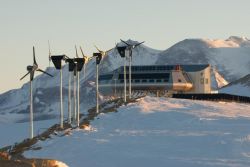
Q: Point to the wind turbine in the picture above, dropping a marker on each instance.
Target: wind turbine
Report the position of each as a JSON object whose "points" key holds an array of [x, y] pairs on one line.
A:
{"points": [[31, 70], [79, 65], [57, 61], [129, 52], [99, 57]]}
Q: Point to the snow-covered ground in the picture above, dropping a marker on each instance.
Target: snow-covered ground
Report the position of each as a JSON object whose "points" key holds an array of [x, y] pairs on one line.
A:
{"points": [[16, 132], [158, 132]]}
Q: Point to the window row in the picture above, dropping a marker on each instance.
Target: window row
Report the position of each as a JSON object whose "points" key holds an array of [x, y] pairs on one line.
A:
{"points": [[146, 76], [145, 80], [151, 68]]}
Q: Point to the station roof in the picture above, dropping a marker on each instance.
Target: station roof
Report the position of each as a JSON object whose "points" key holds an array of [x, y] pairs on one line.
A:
{"points": [[151, 68]]}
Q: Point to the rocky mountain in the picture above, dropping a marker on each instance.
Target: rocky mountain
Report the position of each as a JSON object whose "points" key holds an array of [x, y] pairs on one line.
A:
{"points": [[230, 57]]}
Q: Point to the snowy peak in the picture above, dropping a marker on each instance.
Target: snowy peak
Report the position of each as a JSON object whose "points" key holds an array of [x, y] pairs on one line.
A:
{"points": [[219, 43], [231, 42], [238, 40]]}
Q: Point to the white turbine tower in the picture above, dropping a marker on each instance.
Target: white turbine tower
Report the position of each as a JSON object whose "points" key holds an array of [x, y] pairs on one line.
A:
{"points": [[57, 61], [79, 65], [31, 70], [72, 66]]}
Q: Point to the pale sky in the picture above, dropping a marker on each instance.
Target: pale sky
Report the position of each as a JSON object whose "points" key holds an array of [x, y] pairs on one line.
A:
{"points": [[161, 23]]}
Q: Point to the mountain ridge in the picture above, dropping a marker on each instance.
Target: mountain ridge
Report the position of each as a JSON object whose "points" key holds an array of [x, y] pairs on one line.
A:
{"points": [[14, 103]]}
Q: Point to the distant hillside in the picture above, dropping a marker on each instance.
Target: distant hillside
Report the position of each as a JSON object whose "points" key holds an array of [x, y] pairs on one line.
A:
{"points": [[238, 87], [230, 57]]}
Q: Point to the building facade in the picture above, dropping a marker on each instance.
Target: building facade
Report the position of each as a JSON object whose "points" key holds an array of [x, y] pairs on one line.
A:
{"points": [[164, 78]]}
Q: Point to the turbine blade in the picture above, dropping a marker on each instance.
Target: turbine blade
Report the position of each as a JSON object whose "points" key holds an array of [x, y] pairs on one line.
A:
{"points": [[97, 48], [76, 51], [49, 51], [44, 72], [34, 56], [125, 42], [24, 76], [109, 50], [139, 44], [106, 52], [82, 52]]}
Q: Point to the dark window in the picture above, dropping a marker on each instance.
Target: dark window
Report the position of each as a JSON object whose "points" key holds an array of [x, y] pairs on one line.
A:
{"points": [[158, 80], [206, 81], [179, 80], [165, 80], [106, 77], [202, 80], [137, 80], [147, 76], [121, 81], [144, 80], [151, 80]]}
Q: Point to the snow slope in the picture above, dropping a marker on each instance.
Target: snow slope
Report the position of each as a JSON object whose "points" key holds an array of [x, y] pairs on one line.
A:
{"points": [[158, 132], [16, 132], [238, 87]]}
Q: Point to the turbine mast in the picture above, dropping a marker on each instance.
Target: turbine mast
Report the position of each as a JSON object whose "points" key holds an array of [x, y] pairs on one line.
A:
{"points": [[31, 112]]}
